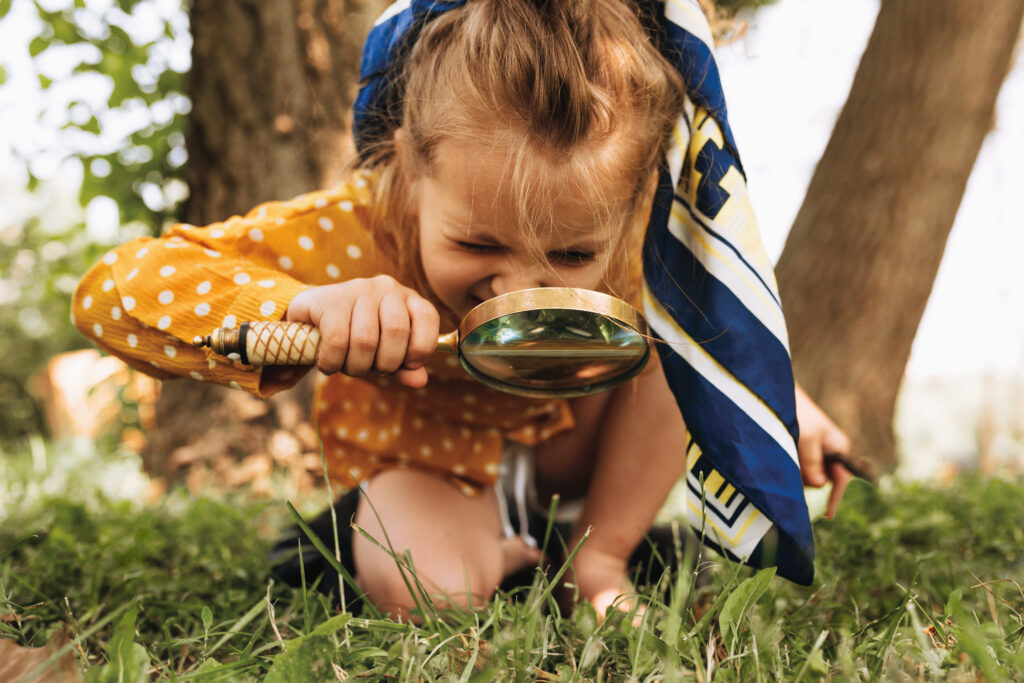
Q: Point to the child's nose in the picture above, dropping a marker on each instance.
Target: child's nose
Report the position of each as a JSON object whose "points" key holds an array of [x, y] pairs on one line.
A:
{"points": [[516, 278]]}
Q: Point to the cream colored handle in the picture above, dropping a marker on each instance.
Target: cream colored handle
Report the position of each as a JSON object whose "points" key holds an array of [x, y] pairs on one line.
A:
{"points": [[280, 343]]}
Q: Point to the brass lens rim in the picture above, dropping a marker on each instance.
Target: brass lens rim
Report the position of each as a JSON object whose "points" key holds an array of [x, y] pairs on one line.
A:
{"points": [[566, 298]]}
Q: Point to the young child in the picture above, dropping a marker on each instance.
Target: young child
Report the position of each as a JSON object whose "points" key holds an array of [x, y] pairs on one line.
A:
{"points": [[524, 152]]}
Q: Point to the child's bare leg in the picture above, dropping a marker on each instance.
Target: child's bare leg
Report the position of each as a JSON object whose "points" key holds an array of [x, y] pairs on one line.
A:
{"points": [[456, 542]]}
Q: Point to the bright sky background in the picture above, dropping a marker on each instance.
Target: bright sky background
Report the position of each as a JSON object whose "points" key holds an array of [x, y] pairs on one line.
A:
{"points": [[792, 73]]}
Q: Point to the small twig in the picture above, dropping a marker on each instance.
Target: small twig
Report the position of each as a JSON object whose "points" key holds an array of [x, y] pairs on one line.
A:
{"points": [[78, 629], [270, 611]]}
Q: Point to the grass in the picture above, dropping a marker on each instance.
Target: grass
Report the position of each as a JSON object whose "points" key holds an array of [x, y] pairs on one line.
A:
{"points": [[914, 582]]}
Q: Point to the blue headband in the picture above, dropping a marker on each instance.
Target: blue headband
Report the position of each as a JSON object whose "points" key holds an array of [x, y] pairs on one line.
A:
{"points": [[709, 294]]}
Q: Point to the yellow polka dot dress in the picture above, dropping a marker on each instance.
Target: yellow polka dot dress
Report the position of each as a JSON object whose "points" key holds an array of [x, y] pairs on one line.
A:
{"points": [[146, 300]]}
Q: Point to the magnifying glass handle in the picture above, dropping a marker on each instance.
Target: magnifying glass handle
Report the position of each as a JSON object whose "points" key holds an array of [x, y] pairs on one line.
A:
{"points": [[280, 343]]}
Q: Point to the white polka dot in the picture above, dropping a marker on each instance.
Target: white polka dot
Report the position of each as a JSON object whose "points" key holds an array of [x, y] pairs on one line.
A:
{"points": [[98, 329], [203, 309], [234, 357], [353, 251], [108, 285], [459, 468], [229, 322], [491, 468], [115, 313], [196, 376], [154, 364], [212, 253], [256, 235], [342, 432], [360, 182], [363, 434], [142, 252], [267, 307], [345, 205], [320, 203], [465, 433], [382, 406], [211, 363], [305, 243], [132, 273], [447, 444], [128, 302], [285, 262], [382, 435], [396, 430], [133, 341], [167, 271], [203, 287], [170, 351], [234, 385], [355, 472], [216, 233], [165, 297], [279, 221], [164, 322], [87, 302], [242, 279], [332, 271], [266, 284], [346, 405], [326, 224], [426, 451], [178, 238], [110, 258], [477, 447]]}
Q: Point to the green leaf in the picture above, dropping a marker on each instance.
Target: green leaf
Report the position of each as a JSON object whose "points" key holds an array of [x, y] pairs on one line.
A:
{"points": [[5, 7], [206, 614], [953, 603], [127, 661], [37, 45], [739, 602], [44, 82], [3, 73], [308, 658]]}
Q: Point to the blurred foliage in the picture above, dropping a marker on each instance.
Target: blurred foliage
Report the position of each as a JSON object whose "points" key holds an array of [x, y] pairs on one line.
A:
{"points": [[111, 76], [131, 141]]}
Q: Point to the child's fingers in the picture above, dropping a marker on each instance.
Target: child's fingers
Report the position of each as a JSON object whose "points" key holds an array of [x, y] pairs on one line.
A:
{"points": [[394, 332], [812, 460], [414, 379], [840, 477], [364, 336], [425, 324], [333, 320]]}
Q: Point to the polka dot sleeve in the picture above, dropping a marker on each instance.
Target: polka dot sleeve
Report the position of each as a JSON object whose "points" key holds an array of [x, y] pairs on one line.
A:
{"points": [[146, 300]]}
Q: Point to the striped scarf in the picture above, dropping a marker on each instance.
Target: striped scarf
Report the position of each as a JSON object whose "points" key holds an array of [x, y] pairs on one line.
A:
{"points": [[710, 297]]}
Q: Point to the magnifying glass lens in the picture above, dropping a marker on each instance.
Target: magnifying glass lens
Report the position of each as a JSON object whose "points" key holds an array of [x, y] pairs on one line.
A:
{"points": [[553, 351]]}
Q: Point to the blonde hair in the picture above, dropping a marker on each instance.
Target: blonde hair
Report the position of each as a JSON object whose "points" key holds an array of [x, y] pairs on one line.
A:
{"points": [[573, 89]]}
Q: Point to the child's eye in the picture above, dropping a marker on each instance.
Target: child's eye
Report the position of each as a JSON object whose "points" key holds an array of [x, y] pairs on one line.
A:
{"points": [[478, 248], [573, 258]]}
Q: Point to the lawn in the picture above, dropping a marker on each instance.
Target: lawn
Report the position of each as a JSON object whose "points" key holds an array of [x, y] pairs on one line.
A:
{"points": [[914, 582]]}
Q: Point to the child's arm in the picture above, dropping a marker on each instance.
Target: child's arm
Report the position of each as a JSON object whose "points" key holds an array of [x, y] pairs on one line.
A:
{"points": [[639, 460], [146, 300]]}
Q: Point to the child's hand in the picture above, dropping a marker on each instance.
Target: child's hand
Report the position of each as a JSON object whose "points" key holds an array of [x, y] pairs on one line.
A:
{"points": [[370, 324], [820, 437], [601, 580]]}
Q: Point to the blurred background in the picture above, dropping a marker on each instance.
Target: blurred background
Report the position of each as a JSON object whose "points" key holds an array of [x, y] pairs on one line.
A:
{"points": [[120, 117]]}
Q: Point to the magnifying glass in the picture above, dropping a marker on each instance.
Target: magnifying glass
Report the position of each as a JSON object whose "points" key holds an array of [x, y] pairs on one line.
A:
{"points": [[546, 342]]}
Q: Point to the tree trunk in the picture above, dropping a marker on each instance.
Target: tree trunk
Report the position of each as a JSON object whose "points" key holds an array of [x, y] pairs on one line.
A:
{"points": [[862, 255], [272, 86]]}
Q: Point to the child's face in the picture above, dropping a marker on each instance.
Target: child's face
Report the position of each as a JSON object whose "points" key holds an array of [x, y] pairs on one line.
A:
{"points": [[471, 247]]}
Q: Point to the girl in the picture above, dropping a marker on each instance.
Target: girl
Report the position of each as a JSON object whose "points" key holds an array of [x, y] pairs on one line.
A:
{"points": [[517, 144]]}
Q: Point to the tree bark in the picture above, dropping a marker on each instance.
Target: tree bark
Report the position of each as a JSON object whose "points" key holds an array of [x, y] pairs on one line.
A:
{"points": [[861, 258], [272, 86]]}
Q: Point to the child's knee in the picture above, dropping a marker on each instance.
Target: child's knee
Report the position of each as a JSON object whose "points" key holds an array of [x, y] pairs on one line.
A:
{"points": [[404, 592]]}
